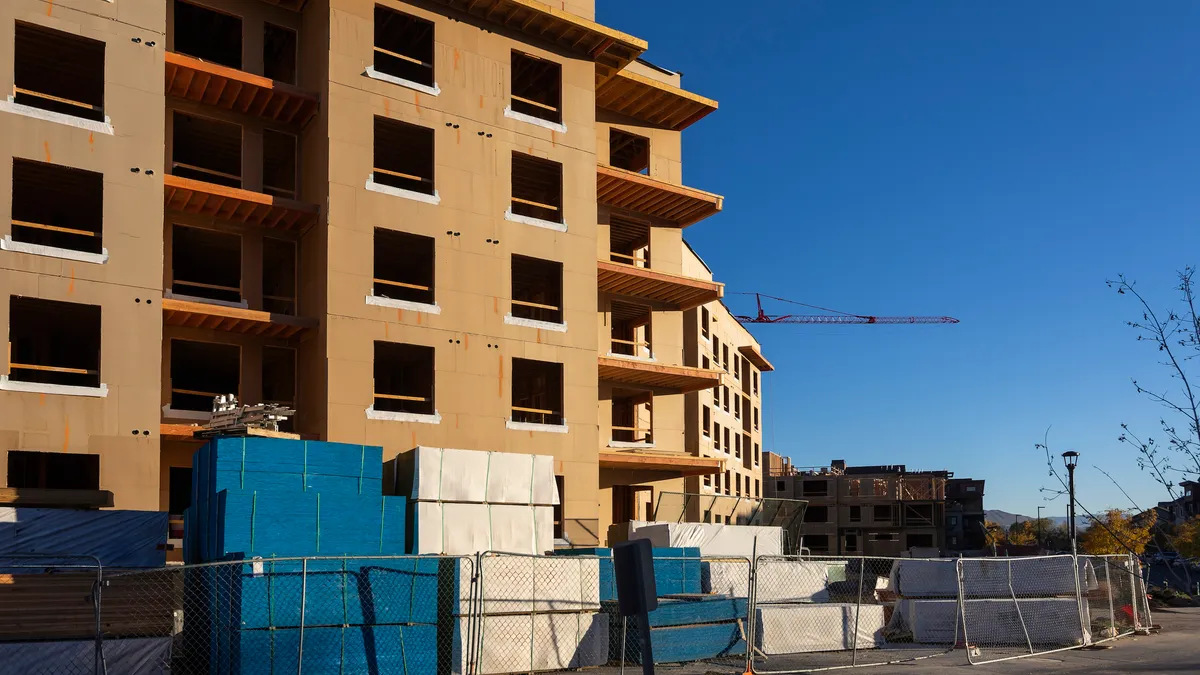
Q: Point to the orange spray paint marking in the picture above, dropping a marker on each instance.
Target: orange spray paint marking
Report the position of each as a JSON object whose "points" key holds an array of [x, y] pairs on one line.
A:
{"points": [[455, 420], [417, 101], [481, 101], [386, 108], [49, 7], [539, 336], [456, 58], [414, 439], [496, 305], [418, 318], [91, 141], [41, 399], [71, 286], [458, 136], [466, 341], [46, 147]]}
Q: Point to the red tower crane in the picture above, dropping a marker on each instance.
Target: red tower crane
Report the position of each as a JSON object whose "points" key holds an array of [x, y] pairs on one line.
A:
{"points": [[840, 318]]}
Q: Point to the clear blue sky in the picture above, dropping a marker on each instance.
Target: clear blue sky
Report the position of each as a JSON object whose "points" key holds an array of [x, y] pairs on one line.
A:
{"points": [[990, 161]]}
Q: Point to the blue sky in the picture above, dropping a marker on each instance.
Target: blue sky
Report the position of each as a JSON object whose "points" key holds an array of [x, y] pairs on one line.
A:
{"points": [[995, 162]]}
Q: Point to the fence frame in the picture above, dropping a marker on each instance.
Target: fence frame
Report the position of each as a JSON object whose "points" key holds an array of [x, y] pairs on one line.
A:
{"points": [[98, 665]]}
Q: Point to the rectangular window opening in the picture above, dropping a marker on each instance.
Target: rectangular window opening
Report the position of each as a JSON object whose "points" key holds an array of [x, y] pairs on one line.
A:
{"points": [[58, 206], [53, 342], [882, 513], [208, 34], [403, 46], [815, 488], [629, 152], [206, 264], [631, 330], [536, 188], [53, 470], [404, 266], [206, 149], [179, 489], [404, 380], [884, 536], [58, 71], [537, 289], [279, 375], [851, 543], [855, 514], [920, 541], [705, 420], [817, 543], [725, 435], [279, 275], [704, 323], [537, 392], [754, 376], [279, 53], [201, 371], [629, 241], [632, 417], [403, 155], [537, 87], [279, 163], [780, 486]]}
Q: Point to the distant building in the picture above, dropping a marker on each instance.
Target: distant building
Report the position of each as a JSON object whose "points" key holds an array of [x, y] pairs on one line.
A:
{"points": [[965, 515], [863, 510], [1183, 507]]}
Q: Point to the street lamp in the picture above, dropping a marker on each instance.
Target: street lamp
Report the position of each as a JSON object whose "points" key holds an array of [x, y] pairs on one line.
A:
{"points": [[1071, 458]]}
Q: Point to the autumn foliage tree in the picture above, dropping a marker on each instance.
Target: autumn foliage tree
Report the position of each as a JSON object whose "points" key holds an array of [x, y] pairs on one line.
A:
{"points": [[995, 534], [1187, 539], [1117, 533]]}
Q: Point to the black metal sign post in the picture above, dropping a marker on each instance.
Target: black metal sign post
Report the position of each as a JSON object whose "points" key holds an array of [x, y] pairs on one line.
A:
{"points": [[633, 569]]}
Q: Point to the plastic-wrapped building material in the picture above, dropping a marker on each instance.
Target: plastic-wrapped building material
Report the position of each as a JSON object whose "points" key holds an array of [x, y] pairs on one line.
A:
{"points": [[474, 476], [1046, 621], [991, 577], [128, 656], [800, 628], [119, 538], [524, 584], [523, 643], [348, 650], [712, 539], [778, 580], [465, 529]]}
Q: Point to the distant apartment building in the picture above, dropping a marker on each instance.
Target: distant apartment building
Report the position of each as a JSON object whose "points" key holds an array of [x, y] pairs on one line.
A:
{"points": [[862, 510], [1183, 507], [964, 515]]}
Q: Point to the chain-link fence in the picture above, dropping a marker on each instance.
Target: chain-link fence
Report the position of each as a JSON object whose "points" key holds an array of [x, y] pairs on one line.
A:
{"points": [[501, 613]]}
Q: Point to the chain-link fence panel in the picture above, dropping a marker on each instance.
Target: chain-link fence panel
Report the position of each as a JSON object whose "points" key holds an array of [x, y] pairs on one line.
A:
{"points": [[51, 621], [1014, 607], [1120, 586], [822, 612]]}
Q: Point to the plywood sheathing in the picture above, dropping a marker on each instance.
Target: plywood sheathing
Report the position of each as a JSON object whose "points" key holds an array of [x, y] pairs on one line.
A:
{"points": [[754, 356], [680, 465], [656, 103], [234, 204], [233, 319], [680, 292], [611, 49], [235, 90], [642, 374], [642, 194]]}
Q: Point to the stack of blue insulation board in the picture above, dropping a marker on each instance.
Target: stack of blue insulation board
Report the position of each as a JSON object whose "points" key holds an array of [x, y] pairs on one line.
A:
{"points": [[676, 570], [687, 628], [276, 498]]}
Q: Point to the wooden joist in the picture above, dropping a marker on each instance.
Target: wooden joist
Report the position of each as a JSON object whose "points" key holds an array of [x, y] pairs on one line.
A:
{"points": [[187, 195], [237, 91], [648, 100], [50, 498], [680, 292], [233, 319], [668, 202]]}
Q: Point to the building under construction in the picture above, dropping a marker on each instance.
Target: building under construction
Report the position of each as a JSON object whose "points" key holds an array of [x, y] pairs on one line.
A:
{"points": [[863, 510], [417, 223]]}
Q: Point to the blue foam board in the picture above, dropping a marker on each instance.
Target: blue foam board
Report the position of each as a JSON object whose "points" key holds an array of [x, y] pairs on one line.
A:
{"points": [[352, 650], [691, 611], [680, 644]]}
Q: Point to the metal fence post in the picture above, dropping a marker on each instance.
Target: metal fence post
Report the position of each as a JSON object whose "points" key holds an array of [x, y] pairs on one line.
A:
{"points": [[303, 603], [1112, 614], [862, 572], [1084, 634], [962, 607]]}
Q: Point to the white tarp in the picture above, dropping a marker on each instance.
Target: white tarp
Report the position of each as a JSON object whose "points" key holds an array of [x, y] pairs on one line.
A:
{"points": [[990, 577], [475, 476], [1049, 621], [795, 629], [515, 584], [466, 529], [523, 643], [712, 539], [793, 580]]}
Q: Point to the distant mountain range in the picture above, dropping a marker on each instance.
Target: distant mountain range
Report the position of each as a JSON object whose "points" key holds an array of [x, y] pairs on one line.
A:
{"points": [[1007, 519]]}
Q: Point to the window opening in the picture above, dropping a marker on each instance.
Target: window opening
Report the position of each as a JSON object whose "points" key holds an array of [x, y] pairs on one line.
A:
{"points": [[855, 514], [279, 275], [179, 489], [537, 87], [920, 541], [403, 46], [537, 392], [704, 323], [630, 332], [206, 149], [404, 266], [536, 188], [706, 420], [629, 241], [279, 163], [58, 71], [403, 155], [817, 543], [632, 417], [58, 206], [279, 53], [404, 380], [201, 371], [53, 470], [279, 375], [815, 488], [629, 152], [53, 342], [559, 524], [208, 34], [882, 513], [537, 289], [206, 264]]}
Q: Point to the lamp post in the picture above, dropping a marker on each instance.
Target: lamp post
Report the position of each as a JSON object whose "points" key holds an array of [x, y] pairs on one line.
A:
{"points": [[1071, 458], [1039, 524]]}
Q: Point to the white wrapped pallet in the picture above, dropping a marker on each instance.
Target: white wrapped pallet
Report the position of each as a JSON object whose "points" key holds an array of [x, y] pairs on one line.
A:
{"points": [[802, 628], [991, 577], [783, 580], [1048, 621], [525, 584], [474, 476], [712, 539], [526, 643], [466, 529]]}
